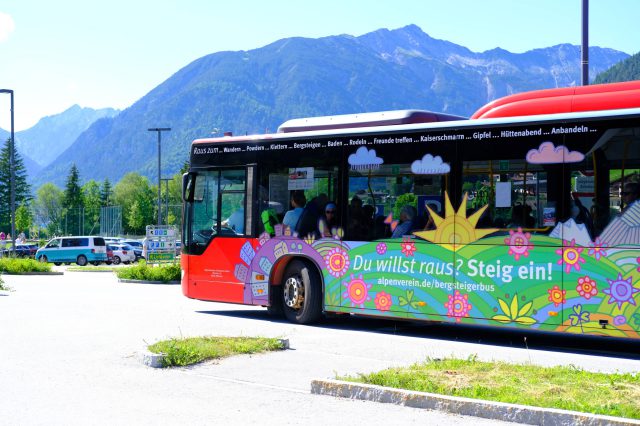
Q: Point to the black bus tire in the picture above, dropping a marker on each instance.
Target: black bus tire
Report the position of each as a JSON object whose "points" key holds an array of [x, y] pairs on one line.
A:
{"points": [[302, 293], [276, 305]]}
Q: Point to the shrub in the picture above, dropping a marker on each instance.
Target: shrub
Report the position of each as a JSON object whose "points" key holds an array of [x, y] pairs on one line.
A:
{"points": [[9, 265], [142, 271]]}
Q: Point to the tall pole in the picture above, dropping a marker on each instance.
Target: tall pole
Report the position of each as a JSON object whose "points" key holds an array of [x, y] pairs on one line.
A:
{"points": [[12, 177], [159, 130], [585, 42], [166, 197]]}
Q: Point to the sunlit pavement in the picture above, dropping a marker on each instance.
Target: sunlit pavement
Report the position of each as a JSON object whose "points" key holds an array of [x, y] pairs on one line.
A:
{"points": [[69, 344]]}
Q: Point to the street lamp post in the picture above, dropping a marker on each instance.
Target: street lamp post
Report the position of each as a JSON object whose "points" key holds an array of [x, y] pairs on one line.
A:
{"points": [[12, 197], [159, 130]]}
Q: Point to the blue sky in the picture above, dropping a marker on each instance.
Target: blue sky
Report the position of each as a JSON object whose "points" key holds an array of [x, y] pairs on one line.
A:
{"points": [[54, 54]]}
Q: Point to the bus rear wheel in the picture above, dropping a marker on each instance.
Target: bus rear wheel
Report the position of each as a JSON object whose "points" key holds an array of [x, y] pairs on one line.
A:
{"points": [[302, 293]]}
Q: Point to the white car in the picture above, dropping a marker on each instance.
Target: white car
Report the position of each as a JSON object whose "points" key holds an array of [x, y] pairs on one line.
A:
{"points": [[122, 253]]}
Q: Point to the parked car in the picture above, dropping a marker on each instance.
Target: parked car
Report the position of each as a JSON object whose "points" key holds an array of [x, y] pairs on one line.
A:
{"points": [[122, 253], [109, 255], [136, 245], [112, 240], [26, 250], [80, 250]]}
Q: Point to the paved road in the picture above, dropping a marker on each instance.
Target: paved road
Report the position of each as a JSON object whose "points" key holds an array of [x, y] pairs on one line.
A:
{"points": [[68, 344]]}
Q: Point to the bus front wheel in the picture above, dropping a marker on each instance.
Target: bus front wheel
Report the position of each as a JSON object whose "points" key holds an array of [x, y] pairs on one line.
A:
{"points": [[302, 293]]}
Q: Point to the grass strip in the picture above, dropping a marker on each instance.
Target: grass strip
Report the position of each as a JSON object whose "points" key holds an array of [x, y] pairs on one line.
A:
{"points": [[144, 272], [192, 350], [91, 268], [561, 387], [16, 266]]}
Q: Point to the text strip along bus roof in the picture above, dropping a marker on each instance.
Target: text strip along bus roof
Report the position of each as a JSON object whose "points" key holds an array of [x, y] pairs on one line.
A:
{"points": [[490, 122]]}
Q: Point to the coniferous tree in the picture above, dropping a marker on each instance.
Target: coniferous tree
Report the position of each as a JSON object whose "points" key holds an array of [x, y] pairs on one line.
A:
{"points": [[23, 191], [106, 192], [73, 202]]}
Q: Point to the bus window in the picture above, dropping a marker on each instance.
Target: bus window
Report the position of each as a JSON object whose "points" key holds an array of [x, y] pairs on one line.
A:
{"points": [[378, 196], [514, 191], [278, 185]]}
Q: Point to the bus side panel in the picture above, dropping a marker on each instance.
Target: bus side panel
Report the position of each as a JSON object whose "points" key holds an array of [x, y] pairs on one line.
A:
{"points": [[213, 275]]}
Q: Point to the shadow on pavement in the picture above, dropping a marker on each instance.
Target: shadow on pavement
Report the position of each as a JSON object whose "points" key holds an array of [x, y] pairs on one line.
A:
{"points": [[567, 343]]}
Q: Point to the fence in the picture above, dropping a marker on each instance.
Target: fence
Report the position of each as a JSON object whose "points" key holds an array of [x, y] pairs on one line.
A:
{"points": [[106, 221]]}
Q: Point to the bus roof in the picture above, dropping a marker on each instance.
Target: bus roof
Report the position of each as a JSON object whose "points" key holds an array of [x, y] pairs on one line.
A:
{"points": [[367, 119], [596, 97], [426, 126]]}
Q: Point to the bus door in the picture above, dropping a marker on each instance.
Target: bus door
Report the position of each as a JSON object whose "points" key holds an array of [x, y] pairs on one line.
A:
{"points": [[216, 224]]}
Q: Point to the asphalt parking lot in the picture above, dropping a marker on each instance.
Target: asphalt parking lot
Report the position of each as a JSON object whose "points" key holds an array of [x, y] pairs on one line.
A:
{"points": [[69, 345]]}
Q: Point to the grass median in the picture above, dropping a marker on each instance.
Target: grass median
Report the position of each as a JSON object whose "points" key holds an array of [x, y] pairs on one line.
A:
{"points": [[192, 350], [562, 387], [16, 266], [145, 272]]}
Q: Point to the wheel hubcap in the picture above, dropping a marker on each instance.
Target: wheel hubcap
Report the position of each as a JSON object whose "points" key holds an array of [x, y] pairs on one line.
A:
{"points": [[293, 292]]}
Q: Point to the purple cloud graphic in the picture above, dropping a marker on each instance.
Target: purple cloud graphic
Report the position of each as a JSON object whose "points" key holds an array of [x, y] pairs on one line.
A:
{"points": [[430, 165], [548, 153], [365, 159]]}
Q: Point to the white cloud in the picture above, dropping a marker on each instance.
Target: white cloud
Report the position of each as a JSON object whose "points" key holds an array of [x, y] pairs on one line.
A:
{"points": [[6, 26], [430, 165], [364, 159]]}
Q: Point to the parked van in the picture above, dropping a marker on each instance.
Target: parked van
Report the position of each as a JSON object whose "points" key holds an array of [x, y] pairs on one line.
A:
{"points": [[80, 250]]}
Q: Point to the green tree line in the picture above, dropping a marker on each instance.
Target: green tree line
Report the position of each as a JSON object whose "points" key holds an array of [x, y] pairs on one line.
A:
{"points": [[76, 208]]}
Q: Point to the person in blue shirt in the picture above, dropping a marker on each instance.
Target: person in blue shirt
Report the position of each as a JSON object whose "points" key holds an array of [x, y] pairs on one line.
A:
{"points": [[291, 218], [407, 217]]}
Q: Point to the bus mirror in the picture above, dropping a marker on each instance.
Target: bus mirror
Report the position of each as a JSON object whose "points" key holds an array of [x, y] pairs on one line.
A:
{"points": [[187, 186]]}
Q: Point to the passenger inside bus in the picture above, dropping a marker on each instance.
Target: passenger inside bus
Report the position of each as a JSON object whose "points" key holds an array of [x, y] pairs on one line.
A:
{"points": [[312, 212], [630, 194], [407, 218], [292, 217], [328, 223]]}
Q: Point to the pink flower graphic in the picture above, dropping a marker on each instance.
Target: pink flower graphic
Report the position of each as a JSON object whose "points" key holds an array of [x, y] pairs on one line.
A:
{"points": [[556, 295], [458, 305], [570, 256], [596, 249], [518, 243], [357, 291], [407, 247], [381, 248], [337, 261], [586, 287], [383, 301]]}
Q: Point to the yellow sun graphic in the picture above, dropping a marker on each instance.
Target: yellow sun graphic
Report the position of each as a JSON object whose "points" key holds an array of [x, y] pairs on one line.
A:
{"points": [[455, 229]]}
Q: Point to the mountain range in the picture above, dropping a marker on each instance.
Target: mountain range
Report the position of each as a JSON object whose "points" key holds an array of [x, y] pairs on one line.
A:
{"points": [[254, 91], [41, 144]]}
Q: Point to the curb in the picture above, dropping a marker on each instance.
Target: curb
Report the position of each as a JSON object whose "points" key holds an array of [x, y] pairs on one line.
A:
{"points": [[463, 406], [148, 282], [154, 360], [87, 270], [150, 359], [36, 273]]}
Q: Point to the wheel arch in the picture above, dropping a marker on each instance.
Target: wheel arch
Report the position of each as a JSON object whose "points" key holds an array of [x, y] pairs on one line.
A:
{"points": [[277, 271]]}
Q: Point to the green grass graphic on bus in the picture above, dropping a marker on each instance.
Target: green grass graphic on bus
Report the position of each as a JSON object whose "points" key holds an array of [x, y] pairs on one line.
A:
{"points": [[517, 279]]}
